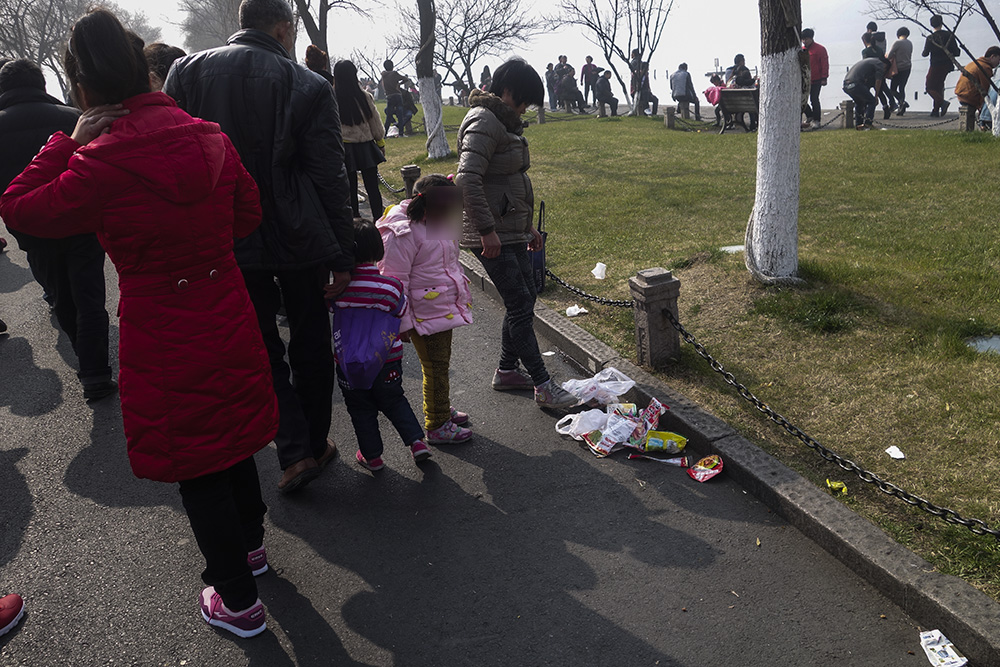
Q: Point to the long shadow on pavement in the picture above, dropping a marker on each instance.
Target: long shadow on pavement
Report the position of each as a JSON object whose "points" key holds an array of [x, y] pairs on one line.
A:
{"points": [[15, 276], [488, 579], [16, 506], [101, 471], [30, 391]]}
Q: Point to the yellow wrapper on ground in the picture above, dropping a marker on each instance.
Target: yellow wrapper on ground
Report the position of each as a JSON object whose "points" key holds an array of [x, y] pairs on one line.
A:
{"points": [[627, 410], [665, 441]]}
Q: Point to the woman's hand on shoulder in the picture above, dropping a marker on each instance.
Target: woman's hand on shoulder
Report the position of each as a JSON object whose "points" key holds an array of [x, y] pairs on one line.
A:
{"points": [[97, 121]]}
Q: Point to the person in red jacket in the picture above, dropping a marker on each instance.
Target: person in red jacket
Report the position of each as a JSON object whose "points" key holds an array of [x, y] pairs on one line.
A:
{"points": [[819, 67], [166, 194]]}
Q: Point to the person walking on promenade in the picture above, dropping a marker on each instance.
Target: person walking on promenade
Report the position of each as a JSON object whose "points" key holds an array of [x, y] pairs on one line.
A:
{"points": [[819, 72], [862, 79], [283, 120], [551, 84], [160, 57], [70, 270], [420, 236], [588, 77], [196, 394], [872, 50], [974, 82], [364, 136], [901, 60], [603, 93], [942, 47], [498, 227], [372, 307], [682, 91], [395, 108]]}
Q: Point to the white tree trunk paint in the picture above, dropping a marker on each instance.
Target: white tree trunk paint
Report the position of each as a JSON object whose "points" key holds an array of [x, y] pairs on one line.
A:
{"points": [[430, 99], [772, 234]]}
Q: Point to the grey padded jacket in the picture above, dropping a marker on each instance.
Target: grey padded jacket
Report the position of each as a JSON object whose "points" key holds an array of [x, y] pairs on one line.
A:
{"points": [[493, 161]]}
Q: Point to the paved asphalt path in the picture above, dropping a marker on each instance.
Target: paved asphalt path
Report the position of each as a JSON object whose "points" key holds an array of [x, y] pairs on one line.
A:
{"points": [[519, 549]]}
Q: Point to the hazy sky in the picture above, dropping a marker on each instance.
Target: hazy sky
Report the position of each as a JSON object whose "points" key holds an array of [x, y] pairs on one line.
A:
{"points": [[698, 32]]}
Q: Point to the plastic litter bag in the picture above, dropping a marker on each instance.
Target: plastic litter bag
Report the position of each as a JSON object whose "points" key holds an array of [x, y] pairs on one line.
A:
{"points": [[940, 651], [582, 423], [604, 388], [612, 438]]}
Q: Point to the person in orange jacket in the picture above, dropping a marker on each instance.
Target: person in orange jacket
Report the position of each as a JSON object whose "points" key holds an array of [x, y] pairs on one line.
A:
{"points": [[974, 83]]}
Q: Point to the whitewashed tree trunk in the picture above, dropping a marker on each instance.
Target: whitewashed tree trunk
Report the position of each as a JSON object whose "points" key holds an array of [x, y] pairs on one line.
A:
{"points": [[430, 99], [772, 248]]}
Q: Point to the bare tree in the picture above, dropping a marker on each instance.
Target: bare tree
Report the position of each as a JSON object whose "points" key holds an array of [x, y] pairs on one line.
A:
{"points": [[772, 237], [370, 61], [209, 23], [466, 31], [38, 30], [617, 27], [315, 16], [430, 95]]}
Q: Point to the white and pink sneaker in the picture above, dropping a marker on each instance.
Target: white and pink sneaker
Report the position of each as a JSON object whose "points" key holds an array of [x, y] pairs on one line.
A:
{"points": [[449, 433], [420, 451], [257, 560], [247, 623]]}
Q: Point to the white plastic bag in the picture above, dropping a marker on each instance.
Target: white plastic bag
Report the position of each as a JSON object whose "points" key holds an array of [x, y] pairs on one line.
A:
{"points": [[604, 388], [582, 423]]}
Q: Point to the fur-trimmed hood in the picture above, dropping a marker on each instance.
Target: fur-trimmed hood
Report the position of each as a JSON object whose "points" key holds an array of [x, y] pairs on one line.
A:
{"points": [[506, 115]]}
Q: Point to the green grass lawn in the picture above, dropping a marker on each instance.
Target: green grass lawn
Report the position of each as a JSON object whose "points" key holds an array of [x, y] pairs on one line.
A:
{"points": [[898, 242]]}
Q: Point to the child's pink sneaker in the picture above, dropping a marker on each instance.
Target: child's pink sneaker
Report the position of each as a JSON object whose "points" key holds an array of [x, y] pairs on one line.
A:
{"points": [[11, 611], [459, 418], [257, 560], [247, 623], [374, 465], [448, 433], [420, 451]]}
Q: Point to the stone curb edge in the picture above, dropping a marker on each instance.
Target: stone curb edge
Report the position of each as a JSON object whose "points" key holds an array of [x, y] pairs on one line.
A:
{"points": [[968, 617]]}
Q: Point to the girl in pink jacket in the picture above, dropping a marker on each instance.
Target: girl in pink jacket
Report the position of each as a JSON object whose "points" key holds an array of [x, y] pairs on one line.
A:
{"points": [[421, 250]]}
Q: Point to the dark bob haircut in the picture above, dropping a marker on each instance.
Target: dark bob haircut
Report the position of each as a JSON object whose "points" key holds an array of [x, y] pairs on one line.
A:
{"points": [[368, 247], [521, 80], [160, 57], [21, 74], [808, 33]]}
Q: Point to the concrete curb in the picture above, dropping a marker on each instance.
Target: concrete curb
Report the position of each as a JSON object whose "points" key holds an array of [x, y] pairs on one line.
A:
{"points": [[966, 616]]}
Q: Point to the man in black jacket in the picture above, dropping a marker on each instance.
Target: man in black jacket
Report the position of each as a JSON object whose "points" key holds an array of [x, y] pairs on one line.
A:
{"points": [[284, 122], [603, 94], [71, 270]]}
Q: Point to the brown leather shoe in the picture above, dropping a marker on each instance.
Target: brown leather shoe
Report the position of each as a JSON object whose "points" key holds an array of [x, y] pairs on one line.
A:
{"points": [[298, 475], [329, 455]]}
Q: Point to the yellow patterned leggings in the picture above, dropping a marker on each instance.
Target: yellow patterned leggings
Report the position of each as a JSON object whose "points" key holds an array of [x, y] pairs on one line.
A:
{"points": [[435, 359]]}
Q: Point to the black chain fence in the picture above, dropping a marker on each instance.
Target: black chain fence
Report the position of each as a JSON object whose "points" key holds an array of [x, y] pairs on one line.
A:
{"points": [[977, 526], [881, 123], [388, 187]]}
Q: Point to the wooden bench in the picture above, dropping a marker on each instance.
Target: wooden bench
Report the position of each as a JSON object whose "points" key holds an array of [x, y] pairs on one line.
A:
{"points": [[735, 103]]}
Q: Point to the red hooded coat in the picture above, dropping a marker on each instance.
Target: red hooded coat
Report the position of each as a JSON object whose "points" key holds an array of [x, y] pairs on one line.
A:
{"points": [[166, 194]]}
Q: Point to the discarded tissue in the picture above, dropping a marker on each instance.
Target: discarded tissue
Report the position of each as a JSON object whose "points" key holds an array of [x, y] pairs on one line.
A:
{"points": [[600, 271], [940, 651], [895, 452], [604, 388], [575, 310]]}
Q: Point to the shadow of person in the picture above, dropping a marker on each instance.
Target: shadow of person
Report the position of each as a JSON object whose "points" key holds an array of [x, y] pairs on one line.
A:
{"points": [[36, 391], [101, 470], [17, 507], [14, 275], [314, 642], [456, 578]]}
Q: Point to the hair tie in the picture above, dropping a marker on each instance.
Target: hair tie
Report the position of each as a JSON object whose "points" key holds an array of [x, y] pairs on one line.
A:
{"points": [[418, 195], [451, 177]]}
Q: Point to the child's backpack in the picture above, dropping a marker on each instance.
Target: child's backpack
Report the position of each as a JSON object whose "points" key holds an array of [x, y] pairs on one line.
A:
{"points": [[362, 341]]}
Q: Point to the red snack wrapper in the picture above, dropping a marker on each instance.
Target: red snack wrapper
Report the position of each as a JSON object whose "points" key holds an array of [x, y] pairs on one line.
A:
{"points": [[706, 469]]}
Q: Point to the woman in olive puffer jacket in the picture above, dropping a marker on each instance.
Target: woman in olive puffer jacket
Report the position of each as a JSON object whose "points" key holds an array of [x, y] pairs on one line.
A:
{"points": [[498, 227]]}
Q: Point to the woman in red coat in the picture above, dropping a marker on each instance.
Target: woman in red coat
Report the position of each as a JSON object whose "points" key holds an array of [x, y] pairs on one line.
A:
{"points": [[166, 193]]}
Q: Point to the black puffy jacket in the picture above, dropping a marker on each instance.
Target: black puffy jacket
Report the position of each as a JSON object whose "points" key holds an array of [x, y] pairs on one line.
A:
{"points": [[28, 117], [284, 122]]}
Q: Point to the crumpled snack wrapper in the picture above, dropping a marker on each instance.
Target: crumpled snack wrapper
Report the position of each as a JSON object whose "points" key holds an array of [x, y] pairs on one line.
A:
{"points": [[706, 469]]}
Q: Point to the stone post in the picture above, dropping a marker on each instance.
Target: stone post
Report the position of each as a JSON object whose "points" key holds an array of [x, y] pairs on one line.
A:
{"points": [[966, 118], [669, 117], [602, 110], [410, 174], [847, 121], [541, 114], [451, 101], [656, 340]]}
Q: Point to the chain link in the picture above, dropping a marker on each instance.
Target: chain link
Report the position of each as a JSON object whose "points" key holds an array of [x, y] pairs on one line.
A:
{"points": [[915, 127], [590, 297], [388, 187], [977, 526]]}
